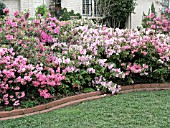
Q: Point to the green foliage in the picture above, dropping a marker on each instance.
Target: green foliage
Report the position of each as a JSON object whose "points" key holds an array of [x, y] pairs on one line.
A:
{"points": [[153, 9], [8, 108], [145, 20], [66, 15], [2, 6], [43, 10], [29, 103], [86, 90], [115, 12], [158, 24]]}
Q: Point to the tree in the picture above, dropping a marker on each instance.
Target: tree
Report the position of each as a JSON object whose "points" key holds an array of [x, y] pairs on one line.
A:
{"points": [[2, 6], [42, 9], [115, 12]]}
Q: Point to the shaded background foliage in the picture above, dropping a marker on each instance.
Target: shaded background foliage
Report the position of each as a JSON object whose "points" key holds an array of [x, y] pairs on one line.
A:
{"points": [[115, 12], [2, 6]]}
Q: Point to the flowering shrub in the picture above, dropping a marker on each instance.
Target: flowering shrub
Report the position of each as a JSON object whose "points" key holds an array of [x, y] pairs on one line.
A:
{"points": [[19, 79], [122, 57], [24, 55], [158, 24], [44, 57]]}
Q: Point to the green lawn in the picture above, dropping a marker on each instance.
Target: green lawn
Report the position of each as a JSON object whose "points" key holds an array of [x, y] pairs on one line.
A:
{"points": [[133, 110]]}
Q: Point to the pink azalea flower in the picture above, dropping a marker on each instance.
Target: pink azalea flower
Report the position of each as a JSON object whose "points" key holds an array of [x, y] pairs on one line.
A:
{"points": [[27, 78], [151, 15], [11, 96], [52, 24], [1, 30], [90, 70], [16, 103], [58, 70], [57, 30], [9, 22], [37, 21], [6, 102], [5, 96], [17, 88], [14, 24], [39, 15], [17, 94], [22, 94], [16, 13], [23, 82], [145, 66], [153, 26], [9, 37], [36, 83], [6, 10]]}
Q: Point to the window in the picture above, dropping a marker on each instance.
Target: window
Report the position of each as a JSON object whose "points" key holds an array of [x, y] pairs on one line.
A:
{"points": [[87, 7], [165, 4]]}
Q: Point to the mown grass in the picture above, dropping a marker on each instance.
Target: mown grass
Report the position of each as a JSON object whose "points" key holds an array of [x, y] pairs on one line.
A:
{"points": [[149, 109]]}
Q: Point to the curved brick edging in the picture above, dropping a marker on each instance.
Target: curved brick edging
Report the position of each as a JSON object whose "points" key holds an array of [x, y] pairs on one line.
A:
{"points": [[22, 112], [4, 115], [145, 86]]}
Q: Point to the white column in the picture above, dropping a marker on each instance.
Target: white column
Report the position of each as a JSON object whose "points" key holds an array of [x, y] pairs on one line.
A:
{"points": [[93, 8]]}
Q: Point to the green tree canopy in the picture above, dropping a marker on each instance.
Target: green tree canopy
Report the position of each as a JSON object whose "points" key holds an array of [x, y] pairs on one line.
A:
{"points": [[2, 6], [116, 11]]}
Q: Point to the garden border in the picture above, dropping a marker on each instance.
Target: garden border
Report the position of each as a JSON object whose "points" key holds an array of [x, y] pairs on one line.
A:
{"points": [[5, 115]]}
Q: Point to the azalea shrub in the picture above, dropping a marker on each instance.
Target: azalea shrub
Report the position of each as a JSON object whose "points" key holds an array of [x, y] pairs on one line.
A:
{"points": [[20, 80], [42, 57], [117, 57], [25, 72], [159, 24]]}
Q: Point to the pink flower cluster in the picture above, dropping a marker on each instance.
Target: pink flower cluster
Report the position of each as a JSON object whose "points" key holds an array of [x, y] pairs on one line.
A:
{"points": [[135, 68], [44, 37], [16, 74], [114, 88], [20, 30], [6, 10], [121, 53], [159, 24]]}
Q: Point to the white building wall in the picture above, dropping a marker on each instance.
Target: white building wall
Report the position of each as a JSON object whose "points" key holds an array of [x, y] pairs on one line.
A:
{"points": [[142, 6], [27, 5], [47, 3], [75, 5], [37, 3], [23, 5], [13, 6]]}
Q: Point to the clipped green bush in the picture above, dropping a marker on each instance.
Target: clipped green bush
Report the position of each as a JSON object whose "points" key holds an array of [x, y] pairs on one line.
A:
{"points": [[43, 10], [67, 15]]}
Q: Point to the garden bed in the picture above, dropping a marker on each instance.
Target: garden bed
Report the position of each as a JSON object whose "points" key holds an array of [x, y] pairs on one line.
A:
{"points": [[42, 58]]}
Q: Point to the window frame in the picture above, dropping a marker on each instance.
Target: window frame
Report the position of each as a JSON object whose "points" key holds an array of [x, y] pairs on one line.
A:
{"points": [[96, 11], [165, 5], [87, 5]]}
